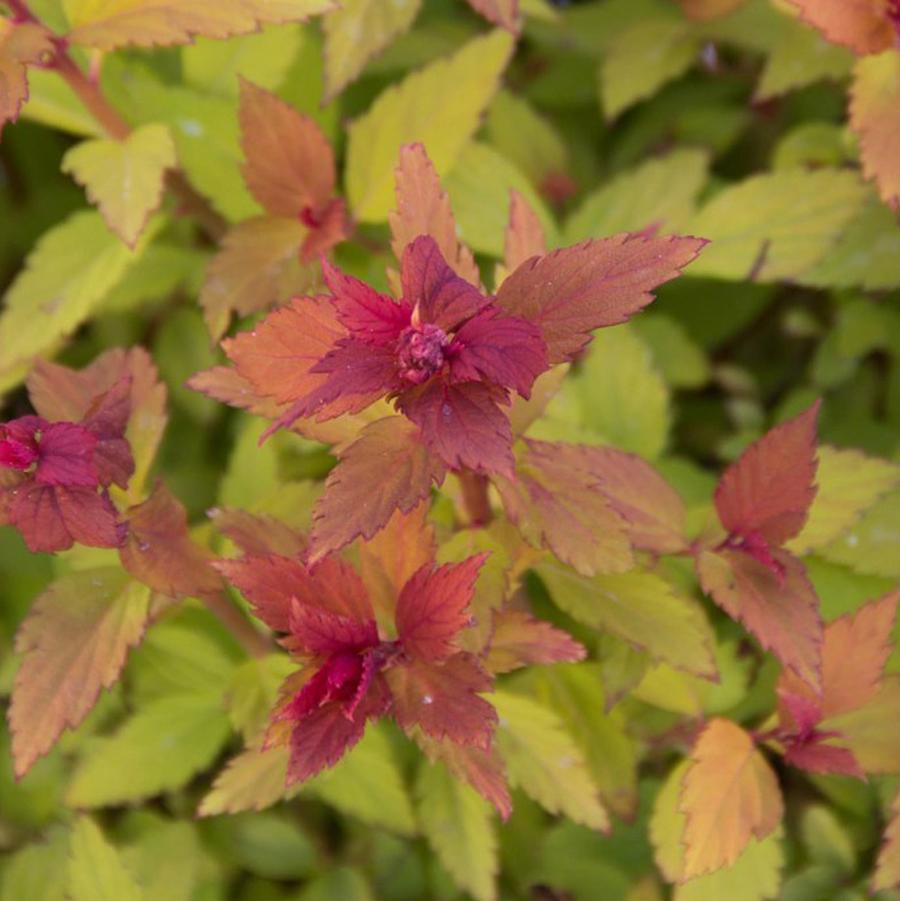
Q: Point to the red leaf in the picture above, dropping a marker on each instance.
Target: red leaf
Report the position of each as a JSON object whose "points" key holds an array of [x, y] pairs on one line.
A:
{"points": [[654, 512], [861, 25], [386, 469], [556, 502], [462, 424], [817, 757], [159, 552], [432, 607], [769, 489], [439, 295], [66, 456], [521, 640], [290, 164], [370, 317], [571, 292], [107, 418], [53, 517], [271, 584], [328, 227], [524, 234], [442, 699], [423, 208], [501, 349], [318, 631], [782, 613]]}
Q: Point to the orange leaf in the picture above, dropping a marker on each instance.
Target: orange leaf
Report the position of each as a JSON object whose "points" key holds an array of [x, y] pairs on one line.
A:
{"points": [[875, 117], [74, 642], [730, 794], [386, 469], [520, 640], [783, 613], [423, 208], [524, 233], [259, 533], [20, 43], [861, 25]]}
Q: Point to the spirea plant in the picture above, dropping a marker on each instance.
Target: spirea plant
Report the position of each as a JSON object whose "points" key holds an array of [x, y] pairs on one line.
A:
{"points": [[450, 449]]}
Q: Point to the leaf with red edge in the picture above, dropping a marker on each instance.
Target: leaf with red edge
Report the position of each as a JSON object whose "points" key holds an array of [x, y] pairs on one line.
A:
{"points": [[53, 517], [74, 642], [271, 584], [820, 755], [21, 43], [443, 699], [462, 424], [159, 552], [107, 419], [653, 511], [887, 869], [433, 607], [875, 117], [556, 502], [524, 236], [423, 208], [289, 164], [389, 559], [783, 613], [571, 292], [504, 13], [66, 456], [872, 732], [729, 795], [521, 640], [861, 25], [386, 469], [319, 631], [259, 533], [501, 349], [769, 489]]}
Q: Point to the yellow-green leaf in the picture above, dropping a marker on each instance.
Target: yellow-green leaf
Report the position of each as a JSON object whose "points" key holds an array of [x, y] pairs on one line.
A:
{"points": [[359, 30], [96, 871], [870, 546], [639, 607], [457, 822], [848, 483], [253, 780], [776, 225], [124, 179], [439, 105], [253, 691], [544, 760], [873, 731]]}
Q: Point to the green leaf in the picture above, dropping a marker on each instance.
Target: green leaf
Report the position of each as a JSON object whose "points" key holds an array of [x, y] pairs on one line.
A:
{"points": [[777, 225], [251, 781], [37, 871], [52, 102], [544, 760], [359, 30], [871, 545], [658, 192], [158, 749], [677, 356], [367, 784], [341, 884], [124, 179], [439, 106], [639, 607], [67, 275], [264, 58], [253, 691], [252, 472], [643, 59], [479, 187], [96, 871], [457, 822], [167, 857]]}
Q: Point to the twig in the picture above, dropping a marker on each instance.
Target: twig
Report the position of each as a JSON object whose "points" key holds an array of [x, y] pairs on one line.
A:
{"points": [[475, 497], [253, 642]]}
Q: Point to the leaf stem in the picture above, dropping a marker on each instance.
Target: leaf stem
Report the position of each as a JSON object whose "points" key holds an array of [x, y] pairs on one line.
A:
{"points": [[254, 643], [112, 122], [475, 497]]}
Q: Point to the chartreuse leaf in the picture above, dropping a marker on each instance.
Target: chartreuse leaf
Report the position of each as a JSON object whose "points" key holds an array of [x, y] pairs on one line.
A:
{"points": [[359, 30], [776, 225], [158, 749], [96, 871], [107, 24], [341, 884], [439, 105], [479, 187], [74, 641], [457, 822], [124, 179], [660, 192], [847, 484], [253, 780], [544, 760], [677, 356], [253, 691], [52, 102], [639, 607], [67, 275], [870, 546], [367, 784], [38, 870], [643, 59], [872, 732]]}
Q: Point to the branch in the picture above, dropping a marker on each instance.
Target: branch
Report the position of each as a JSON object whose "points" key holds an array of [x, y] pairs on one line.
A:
{"points": [[254, 643], [475, 497]]}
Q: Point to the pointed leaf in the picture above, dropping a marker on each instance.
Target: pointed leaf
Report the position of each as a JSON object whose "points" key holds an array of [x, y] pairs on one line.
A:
{"points": [[861, 25], [501, 12], [439, 106], [253, 780], [730, 794], [573, 291], [524, 236], [519, 639], [873, 732], [75, 641], [96, 871], [21, 43]]}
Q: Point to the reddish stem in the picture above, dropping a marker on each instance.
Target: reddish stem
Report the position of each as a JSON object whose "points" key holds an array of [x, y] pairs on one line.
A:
{"points": [[253, 642], [20, 12], [475, 497]]}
